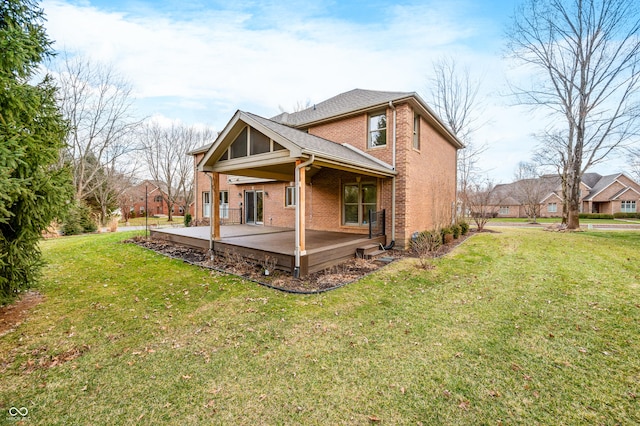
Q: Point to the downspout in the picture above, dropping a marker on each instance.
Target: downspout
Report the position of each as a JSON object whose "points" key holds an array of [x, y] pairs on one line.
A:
{"points": [[211, 252], [393, 183], [296, 269]]}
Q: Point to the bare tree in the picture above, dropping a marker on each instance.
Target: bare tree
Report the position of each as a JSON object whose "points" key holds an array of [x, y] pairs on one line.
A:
{"points": [[297, 107], [115, 181], [98, 106], [634, 163], [530, 188], [483, 201], [166, 151], [586, 55], [454, 96]]}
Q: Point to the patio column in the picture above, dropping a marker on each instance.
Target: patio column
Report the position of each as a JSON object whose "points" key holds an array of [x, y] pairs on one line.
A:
{"points": [[303, 212], [215, 208], [300, 222]]}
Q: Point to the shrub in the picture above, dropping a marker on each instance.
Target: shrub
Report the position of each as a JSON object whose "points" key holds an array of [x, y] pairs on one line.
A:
{"points": [[426, 242], [621, 215], [78, 220], [187, 220], [447, 235], [456, 230], [464, 227], [595, 216]]}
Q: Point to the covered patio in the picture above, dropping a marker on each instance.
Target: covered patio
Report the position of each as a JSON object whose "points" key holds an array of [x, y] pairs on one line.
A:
{"points": [[255, 147], [260, 243]]}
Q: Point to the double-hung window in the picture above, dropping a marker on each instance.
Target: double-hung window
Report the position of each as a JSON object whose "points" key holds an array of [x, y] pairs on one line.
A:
{"points": [[377, 130], [290, 196], [552, 207], [416, 131], [206, 204]]}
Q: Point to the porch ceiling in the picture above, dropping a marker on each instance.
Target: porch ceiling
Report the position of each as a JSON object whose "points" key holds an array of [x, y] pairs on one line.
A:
{"points": [[280, 164]]}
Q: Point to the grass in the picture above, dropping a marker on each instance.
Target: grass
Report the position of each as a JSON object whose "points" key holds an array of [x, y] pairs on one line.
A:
{"points": [[153, 221], [517, 327], [547, 220]]}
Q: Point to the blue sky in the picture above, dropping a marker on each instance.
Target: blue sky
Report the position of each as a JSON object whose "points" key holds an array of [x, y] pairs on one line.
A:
{"points": [[197, 62]]}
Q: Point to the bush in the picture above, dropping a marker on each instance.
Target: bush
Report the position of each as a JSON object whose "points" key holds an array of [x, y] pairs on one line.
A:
{"points": [[621, 215], [595, 216], [187, 220], [464, 227], [447, 235], [456, 230], [426, 242], [78, 220]]}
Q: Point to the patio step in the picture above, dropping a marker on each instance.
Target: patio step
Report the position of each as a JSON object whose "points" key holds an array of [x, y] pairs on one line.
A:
{"points": [[366, 252], [373, 254]]}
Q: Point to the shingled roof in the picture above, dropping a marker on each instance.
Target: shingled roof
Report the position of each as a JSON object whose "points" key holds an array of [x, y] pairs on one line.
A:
{"points": [[311, 144], [345, 103]]}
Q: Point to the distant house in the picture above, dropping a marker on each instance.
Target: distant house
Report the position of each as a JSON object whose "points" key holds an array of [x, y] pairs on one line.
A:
{"points": [[611, 194], [150, 196], [359, 159]]}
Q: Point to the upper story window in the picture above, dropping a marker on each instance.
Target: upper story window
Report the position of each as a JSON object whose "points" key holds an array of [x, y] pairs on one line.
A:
{"points": [[377, 130], [416, 131]]}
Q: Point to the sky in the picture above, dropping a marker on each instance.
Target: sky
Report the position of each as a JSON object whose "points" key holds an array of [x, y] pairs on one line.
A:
{"points": [[197, 61]]}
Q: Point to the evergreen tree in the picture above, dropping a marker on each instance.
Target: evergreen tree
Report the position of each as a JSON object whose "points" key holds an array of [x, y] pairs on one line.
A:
{"points": [[33, 188]]}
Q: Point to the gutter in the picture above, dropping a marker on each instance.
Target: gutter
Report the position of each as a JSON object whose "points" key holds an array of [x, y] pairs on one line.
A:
{"points": [[393, 183], [296, 269]]}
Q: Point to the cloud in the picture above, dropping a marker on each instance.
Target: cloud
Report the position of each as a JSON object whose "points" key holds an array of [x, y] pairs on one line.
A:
{"points": [[200, 65]]}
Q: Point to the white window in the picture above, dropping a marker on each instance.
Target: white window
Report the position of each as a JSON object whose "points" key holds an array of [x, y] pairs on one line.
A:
{"points": [[552, 207], [416, 131], [377, 130], [504, 210], [628, 206], [206, 205], [290, 196], [224, 204]]}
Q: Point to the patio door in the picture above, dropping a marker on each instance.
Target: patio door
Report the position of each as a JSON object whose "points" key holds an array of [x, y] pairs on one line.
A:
{"points": [[254, 207]]}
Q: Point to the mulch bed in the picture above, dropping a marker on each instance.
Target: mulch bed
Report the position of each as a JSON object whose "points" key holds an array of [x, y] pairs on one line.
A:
{"points": [[328, 279]]}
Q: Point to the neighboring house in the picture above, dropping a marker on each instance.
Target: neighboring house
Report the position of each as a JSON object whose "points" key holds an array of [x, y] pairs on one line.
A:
{"points": [[616, 193], [150, 196], [357, 152]]}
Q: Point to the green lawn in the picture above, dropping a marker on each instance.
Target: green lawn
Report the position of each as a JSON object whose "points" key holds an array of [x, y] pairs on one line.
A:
{"points": [[518, 327], [152, 221], [548, 220]]}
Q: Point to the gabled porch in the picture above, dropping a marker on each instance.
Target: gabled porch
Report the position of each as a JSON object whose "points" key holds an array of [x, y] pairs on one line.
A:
{"points": [[257, 148], [259, 243]]}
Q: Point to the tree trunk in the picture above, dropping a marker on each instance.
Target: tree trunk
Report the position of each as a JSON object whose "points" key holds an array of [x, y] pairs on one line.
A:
{"points": [[574, 179]]}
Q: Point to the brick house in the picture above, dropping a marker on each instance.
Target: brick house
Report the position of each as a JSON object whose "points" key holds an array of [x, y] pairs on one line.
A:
{"points": [[149, 195], [357, 152], [611, 194]]}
